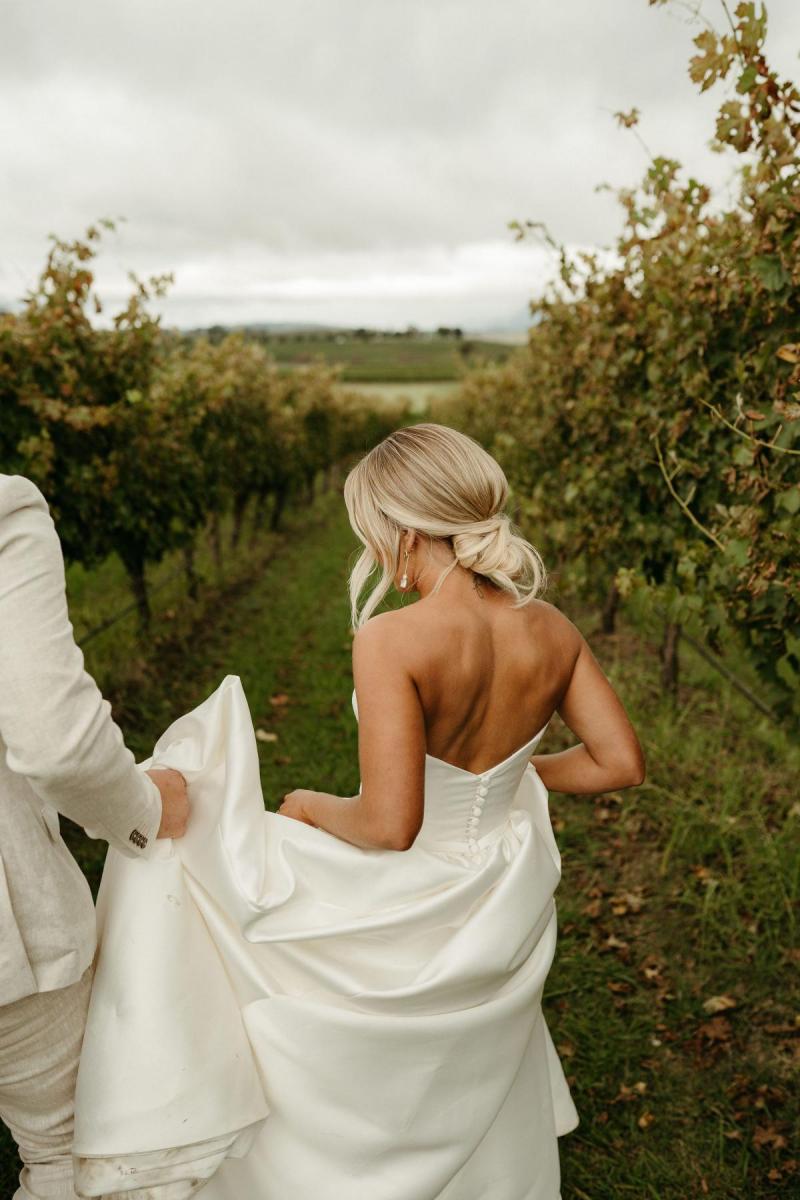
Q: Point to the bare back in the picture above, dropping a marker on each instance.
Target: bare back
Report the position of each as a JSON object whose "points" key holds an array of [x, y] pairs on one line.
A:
{"points": [[468, 678], [489, 676]]}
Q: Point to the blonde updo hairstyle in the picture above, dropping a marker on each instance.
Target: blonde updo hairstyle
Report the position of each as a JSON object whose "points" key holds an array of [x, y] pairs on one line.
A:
{"points": [[442, 484]]}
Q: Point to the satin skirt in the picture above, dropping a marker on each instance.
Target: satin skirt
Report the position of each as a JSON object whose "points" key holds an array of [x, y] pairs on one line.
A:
{"points": [[279, 1015]]}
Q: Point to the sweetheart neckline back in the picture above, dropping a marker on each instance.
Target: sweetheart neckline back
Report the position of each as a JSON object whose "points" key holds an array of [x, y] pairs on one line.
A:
{"points": [[464, 770], [496, 766]]}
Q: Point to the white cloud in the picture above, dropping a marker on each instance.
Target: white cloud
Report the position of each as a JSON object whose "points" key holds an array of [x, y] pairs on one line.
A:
{"points": [[476, 285], [339, 159]]}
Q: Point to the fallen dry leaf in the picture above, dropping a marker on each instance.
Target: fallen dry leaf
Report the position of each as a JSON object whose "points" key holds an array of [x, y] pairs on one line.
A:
{"points": [[703, 874], [604, 815], [612, 942], [626, 902], [717, 1004], [768, 1135], [632, 1092], [718, 1029], [646, 1119], [651, 969], [620, 986], [263, 735]]}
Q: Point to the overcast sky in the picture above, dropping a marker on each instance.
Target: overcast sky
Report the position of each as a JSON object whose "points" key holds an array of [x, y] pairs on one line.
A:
{"points": [[343, 161]]}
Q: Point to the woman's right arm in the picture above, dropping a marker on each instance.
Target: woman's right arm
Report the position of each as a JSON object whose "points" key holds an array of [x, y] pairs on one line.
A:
{"points": [[609, 755]]}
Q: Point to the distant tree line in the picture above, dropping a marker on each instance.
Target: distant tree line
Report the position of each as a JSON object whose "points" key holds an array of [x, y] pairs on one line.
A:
{"points": [[216, 333]]}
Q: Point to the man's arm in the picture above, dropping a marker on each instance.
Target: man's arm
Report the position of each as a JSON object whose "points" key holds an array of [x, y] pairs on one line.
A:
{"points": [[55, 723]]}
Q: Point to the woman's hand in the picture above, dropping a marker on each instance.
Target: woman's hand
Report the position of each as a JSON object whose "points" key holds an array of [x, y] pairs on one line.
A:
{"points": [[295, 805]]}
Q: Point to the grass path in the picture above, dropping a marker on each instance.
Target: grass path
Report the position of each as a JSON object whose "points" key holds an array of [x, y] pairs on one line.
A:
{"points": [[670, 998]]}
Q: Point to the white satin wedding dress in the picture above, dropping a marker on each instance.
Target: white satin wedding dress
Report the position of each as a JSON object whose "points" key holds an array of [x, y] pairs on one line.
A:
{"points": [[280, 1015]]}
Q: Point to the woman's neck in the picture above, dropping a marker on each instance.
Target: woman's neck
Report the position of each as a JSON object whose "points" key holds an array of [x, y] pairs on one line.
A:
{"points": [[460, 582]]}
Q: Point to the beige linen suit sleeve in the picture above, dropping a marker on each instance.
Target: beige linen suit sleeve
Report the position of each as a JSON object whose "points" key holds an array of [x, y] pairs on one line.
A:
{"points": [[56, 726]]}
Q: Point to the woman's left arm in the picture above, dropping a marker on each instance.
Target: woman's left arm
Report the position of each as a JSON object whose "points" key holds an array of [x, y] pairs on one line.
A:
{"points": [[387, 813]]}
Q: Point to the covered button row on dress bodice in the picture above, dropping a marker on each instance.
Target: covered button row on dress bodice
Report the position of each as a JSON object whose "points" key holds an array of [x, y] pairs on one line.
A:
{"points": [[473, 820]]}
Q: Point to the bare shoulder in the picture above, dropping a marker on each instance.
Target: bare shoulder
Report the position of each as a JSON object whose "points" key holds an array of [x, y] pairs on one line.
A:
{"points": [[382, 665], [396, 641], [380, 634], [556, 625]]}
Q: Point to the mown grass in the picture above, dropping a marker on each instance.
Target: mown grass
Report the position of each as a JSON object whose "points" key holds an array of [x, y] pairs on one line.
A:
{"points": [[674, 894], [677, 954]]}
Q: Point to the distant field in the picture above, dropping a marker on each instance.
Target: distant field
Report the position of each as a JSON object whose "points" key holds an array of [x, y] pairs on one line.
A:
{"points": [[383, 358], [419, 395]]}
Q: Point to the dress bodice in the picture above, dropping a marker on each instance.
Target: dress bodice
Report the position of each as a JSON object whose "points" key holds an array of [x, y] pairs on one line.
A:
{"points": [[466, 811]]}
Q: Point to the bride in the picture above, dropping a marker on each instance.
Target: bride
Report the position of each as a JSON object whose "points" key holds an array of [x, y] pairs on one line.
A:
{"points": [[343, 999]]}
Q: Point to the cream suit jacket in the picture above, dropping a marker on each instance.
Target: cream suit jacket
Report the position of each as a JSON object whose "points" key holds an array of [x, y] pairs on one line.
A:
{"points": [[60, 752]]}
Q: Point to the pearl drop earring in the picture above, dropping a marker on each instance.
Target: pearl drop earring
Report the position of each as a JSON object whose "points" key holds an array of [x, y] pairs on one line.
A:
{"points": [[404, 576]]}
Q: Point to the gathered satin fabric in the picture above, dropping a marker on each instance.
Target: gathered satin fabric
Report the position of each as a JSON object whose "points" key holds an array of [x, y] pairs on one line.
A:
{"points": [[278, 1013]]}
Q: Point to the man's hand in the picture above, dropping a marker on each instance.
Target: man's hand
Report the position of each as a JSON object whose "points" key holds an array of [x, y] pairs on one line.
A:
{"points": [[174, 801]]}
